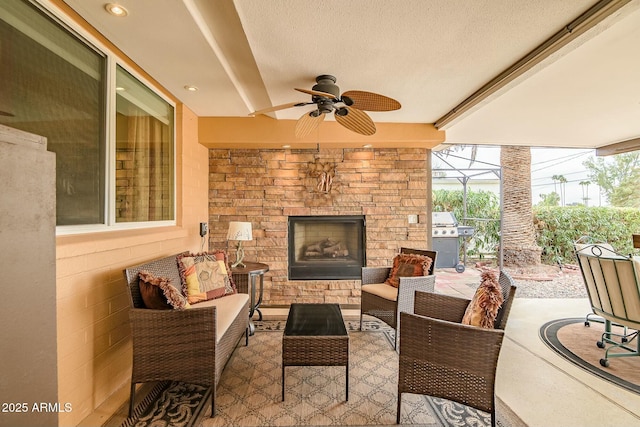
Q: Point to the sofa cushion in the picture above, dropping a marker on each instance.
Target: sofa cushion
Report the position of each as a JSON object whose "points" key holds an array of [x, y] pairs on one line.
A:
{"points": [[408, 265], [205, 276], [483, 308], [227, 310], [159, 293], [382, 290]]}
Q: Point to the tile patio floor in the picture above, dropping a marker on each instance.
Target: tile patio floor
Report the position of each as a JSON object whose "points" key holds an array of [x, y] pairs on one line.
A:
{"points": [[538, 385]]}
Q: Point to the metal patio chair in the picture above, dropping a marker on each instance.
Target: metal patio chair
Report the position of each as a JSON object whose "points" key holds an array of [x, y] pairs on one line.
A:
{"points": [[612, 282]]}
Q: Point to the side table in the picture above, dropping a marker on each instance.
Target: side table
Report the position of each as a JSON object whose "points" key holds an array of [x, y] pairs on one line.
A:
{"points": [[243, 276]]}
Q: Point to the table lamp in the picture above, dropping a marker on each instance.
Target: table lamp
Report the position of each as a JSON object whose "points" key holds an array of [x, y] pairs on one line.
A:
{"points": [[239, 231]]}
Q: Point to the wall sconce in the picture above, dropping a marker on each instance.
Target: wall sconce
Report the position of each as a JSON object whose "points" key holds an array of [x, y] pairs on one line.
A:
{"points": [[239, 231]]}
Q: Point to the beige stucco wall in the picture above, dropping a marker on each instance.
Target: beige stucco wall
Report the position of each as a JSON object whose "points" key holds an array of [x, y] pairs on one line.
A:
{"points": [[94, 345]]}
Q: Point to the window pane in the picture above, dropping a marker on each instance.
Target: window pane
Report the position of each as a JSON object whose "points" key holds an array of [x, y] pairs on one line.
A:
{"points": [[144, 153], [53, 84]]}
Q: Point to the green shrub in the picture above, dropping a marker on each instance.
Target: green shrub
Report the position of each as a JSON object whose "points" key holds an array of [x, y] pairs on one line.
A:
{"points": [[559, 227]]}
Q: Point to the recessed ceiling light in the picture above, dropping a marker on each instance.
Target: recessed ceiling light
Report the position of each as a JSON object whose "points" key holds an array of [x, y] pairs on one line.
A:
{"points": [[367, 146], [286, 146], [116, 10], [191, 88]]}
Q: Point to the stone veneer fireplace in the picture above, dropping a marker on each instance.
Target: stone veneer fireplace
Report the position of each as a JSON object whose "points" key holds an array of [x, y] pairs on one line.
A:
{"points": [[329, 247], [267, 186]]}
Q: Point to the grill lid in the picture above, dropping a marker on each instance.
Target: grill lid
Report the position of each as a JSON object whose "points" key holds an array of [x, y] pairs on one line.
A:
{"points": [[445, 224], [443, 219]]}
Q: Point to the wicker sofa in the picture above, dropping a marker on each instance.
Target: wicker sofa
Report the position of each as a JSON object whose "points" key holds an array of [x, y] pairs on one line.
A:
{"points": [[191, 345]]}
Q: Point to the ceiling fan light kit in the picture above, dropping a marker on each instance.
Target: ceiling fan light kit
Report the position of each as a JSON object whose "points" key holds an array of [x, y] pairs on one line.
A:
{"points": [[349, 109]]}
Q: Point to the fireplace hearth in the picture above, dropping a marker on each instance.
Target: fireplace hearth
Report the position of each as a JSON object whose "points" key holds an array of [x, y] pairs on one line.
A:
{"points": [[326, 247]]}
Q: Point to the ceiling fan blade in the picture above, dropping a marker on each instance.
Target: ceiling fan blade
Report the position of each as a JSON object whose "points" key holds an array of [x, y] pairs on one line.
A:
{"points": [[277, 107], [317, 93], [370, 101], [307, 124], [357, 121]]}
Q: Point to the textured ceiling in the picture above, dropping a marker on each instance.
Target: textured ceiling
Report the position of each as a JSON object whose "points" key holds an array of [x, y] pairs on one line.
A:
{"points": [[430, 55]]}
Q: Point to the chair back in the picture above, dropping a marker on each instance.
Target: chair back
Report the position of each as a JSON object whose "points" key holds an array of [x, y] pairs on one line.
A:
{"points": [[430, 254], [612, 282], [508, 293], [163, 267]]}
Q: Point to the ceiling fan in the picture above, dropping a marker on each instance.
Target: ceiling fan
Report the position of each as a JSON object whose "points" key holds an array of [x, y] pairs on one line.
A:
{"points": [[348, 108]]}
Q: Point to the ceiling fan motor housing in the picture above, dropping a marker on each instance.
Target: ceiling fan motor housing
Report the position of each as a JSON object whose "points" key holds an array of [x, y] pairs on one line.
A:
{"points": [[326, 83]]}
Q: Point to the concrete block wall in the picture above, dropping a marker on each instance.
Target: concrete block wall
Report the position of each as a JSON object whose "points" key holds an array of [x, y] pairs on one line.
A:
{"points": [[265, 187]]}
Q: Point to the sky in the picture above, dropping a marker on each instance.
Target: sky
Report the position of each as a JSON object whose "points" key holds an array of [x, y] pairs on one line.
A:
{"points": [[545, 163]]}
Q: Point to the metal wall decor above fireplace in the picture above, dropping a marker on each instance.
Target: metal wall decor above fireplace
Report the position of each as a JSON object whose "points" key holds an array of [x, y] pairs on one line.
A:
{"points": [[326, 247]]}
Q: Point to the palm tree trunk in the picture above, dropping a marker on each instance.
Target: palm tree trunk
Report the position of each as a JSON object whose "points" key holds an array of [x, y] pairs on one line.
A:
{"points": [[518, 234]]}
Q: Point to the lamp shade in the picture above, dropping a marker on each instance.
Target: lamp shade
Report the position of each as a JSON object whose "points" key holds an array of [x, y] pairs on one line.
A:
{"points": [[239, 231]]}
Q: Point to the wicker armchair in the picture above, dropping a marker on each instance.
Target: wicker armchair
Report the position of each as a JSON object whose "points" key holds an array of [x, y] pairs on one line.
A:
{"points": [[387, 305], [440, 357], [180, 345]]}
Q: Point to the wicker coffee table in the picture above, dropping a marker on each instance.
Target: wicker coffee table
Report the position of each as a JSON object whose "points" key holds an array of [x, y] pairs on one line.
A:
{"points": [[315, 335]]}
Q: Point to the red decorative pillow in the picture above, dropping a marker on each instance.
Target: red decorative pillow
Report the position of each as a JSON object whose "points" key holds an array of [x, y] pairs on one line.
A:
{"points": [[159, 293], [408, 265], [205, 276], [483, 308]]}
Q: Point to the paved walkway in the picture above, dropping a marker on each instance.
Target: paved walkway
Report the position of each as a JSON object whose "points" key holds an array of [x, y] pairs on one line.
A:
{"points": [[450, 282]]}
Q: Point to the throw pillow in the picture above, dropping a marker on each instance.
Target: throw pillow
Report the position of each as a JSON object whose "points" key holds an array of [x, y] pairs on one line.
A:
{"points": [[483, 308], [205, 276], [159, 293], [408, 265]]}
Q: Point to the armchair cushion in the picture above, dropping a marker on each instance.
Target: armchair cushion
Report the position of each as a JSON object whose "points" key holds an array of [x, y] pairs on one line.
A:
{"points": [[483, 308], [205, 276], [158, 293], [382, 290], [408, 265]]}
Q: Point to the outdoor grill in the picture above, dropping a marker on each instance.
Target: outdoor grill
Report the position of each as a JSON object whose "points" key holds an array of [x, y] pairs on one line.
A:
{"points": [[446, 233]]}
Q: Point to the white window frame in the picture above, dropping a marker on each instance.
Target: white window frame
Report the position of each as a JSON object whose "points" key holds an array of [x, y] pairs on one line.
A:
{"points": [[110, 144]]}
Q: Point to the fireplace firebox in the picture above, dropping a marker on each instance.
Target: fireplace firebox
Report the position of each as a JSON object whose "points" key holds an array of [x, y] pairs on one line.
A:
{"points": [[326, 247]]}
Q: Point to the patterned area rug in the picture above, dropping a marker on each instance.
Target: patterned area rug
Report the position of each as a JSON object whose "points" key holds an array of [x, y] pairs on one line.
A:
{"points": [[574, 341], [165, 403], [249, 393], [250, 390]]}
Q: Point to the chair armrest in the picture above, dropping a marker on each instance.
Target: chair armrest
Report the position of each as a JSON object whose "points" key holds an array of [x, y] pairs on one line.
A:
{"points": [[179, 338], [372, 275], [407, 289], [437, 306]]}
